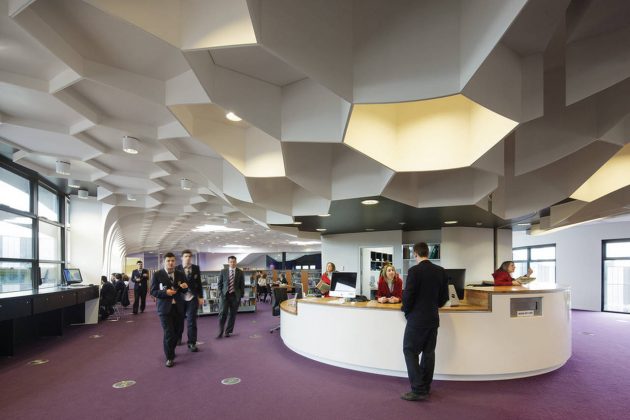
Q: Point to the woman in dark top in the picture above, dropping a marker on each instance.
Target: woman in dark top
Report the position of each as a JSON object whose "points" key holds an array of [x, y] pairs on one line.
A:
{"points": [[390, 285], [503, 275]]}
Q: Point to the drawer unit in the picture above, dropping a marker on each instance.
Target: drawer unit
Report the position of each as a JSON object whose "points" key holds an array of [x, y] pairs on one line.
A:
{"points": [[51, 301], [17, 307], [86, 294]]}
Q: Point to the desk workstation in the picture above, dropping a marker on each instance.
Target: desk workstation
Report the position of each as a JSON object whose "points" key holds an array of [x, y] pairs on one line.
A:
{"points": [[29, 314], [495, 333]]}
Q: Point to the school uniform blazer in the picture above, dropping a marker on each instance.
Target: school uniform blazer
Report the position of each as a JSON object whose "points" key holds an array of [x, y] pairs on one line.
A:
{"points": [[143, 275], [159, 283], [193, 279], [383, 289], [502, 278]]}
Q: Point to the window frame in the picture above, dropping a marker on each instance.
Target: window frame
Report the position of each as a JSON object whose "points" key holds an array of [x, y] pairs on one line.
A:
{"points": [[529, 257], [35, 181], [604, 259]]}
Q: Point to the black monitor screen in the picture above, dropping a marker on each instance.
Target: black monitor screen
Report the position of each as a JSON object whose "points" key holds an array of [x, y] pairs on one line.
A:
{"points": [[343, 284], [72, 275], [456, 277]]}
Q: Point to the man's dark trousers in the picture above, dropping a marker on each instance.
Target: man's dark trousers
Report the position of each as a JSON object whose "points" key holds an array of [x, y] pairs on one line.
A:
{"points": [[416, 341]]}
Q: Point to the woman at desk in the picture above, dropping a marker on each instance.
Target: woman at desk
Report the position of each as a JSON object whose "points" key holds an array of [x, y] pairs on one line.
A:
{"points": [[503, 275], [390, 285], [327, 276]]}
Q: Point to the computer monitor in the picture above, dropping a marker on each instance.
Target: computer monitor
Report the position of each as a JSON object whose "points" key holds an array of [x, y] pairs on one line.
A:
{"points": [[456, 277], [343, 285], [72, 276]]}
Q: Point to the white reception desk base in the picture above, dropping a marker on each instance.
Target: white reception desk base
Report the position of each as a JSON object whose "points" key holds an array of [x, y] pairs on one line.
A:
{"points": [[486, 343]]}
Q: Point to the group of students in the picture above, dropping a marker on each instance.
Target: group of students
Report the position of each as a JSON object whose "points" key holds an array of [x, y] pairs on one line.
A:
{"points": [[112, 292]]}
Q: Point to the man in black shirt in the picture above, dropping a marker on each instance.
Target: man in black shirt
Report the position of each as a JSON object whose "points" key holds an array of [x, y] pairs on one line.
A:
{"points": [[426, 290]]}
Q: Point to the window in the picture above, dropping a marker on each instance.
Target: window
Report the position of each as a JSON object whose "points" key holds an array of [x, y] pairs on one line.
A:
{"points": [[15, 276], [49, 242], [32, 240], [15, 191], [541, 259], [16, 236], [616, 281], [47, 204]]}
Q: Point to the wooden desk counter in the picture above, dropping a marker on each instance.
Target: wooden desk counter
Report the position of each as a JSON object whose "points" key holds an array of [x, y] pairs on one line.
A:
{"points": [[289, 307], [488, 337]]}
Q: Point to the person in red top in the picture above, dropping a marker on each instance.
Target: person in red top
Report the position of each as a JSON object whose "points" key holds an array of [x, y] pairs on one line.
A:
{"points": [[503, 275], [327, 276], [390, 285]]}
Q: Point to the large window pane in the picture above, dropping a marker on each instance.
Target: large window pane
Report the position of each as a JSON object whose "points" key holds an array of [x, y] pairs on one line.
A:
{"points": [[546, 253], [49, 242], [16, 236], [15, 191], [618, 249], [50, 275], [617, 285], [520, 269], [15, 276], [519, 254], [47, 204], [544, 271]]}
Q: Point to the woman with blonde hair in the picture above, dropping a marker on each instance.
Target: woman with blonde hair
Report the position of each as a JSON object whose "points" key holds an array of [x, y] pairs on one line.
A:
{"points": [[390, 285]]}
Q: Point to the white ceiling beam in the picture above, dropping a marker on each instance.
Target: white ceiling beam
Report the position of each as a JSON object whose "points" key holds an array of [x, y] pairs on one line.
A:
{"points": [[152, 90], [87, 139], [48, 37], [172, 130], [16, 6], [23, 81], [63, 80]]}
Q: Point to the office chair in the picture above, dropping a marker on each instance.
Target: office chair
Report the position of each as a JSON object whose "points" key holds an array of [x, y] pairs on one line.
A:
{"points": [[279, 295]]}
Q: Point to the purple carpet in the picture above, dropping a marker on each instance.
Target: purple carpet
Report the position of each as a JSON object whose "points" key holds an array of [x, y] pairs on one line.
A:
{"points": [[279, 384]]}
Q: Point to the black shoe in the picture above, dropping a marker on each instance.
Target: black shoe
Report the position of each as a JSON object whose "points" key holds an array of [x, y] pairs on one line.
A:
{"points": [[228, 334], [135, 313], [169, 363], [219, 335], [412, 396], [193, 348]]}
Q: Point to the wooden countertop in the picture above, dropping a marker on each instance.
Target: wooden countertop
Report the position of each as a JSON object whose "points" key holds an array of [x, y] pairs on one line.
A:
{"points": [[517, 289], [289, 306]]}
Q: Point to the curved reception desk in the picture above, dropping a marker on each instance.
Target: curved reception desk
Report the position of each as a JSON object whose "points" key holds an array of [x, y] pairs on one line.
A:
{"points": [[495, 333]]}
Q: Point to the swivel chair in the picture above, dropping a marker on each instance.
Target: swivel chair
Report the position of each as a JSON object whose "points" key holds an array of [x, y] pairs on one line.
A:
{"points": [[279, 295]]}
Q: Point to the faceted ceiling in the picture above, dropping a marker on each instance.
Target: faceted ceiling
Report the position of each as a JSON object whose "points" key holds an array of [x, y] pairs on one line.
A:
{"points": [[511, 107]]}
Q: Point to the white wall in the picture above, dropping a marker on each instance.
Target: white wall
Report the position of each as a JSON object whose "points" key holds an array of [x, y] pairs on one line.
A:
{"points": [[345, 249], [86, 238], [469, 248], [579, 258]]}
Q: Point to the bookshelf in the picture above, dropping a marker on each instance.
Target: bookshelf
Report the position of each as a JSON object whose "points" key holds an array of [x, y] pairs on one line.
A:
{"points": [[409, 261], [209, 284], [377, 259]]}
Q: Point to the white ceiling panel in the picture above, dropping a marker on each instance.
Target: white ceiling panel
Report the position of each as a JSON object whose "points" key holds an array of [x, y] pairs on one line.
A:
{"points": [[100, 37], [33, 105], [47, 142], [21, 54], [257, 62], [122, 105]]}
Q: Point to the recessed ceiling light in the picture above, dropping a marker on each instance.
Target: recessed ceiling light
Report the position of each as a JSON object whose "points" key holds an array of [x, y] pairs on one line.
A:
{"points": [[450, 222], [62, 167], [215, 228], [479, 223], [369, 202], [305, 242], [324, 215], [233, 117], [297, 223], [369, 230], [131, 145], [185, 184], [321, 230], [236, 246], [523, 224], [402, 223]]}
